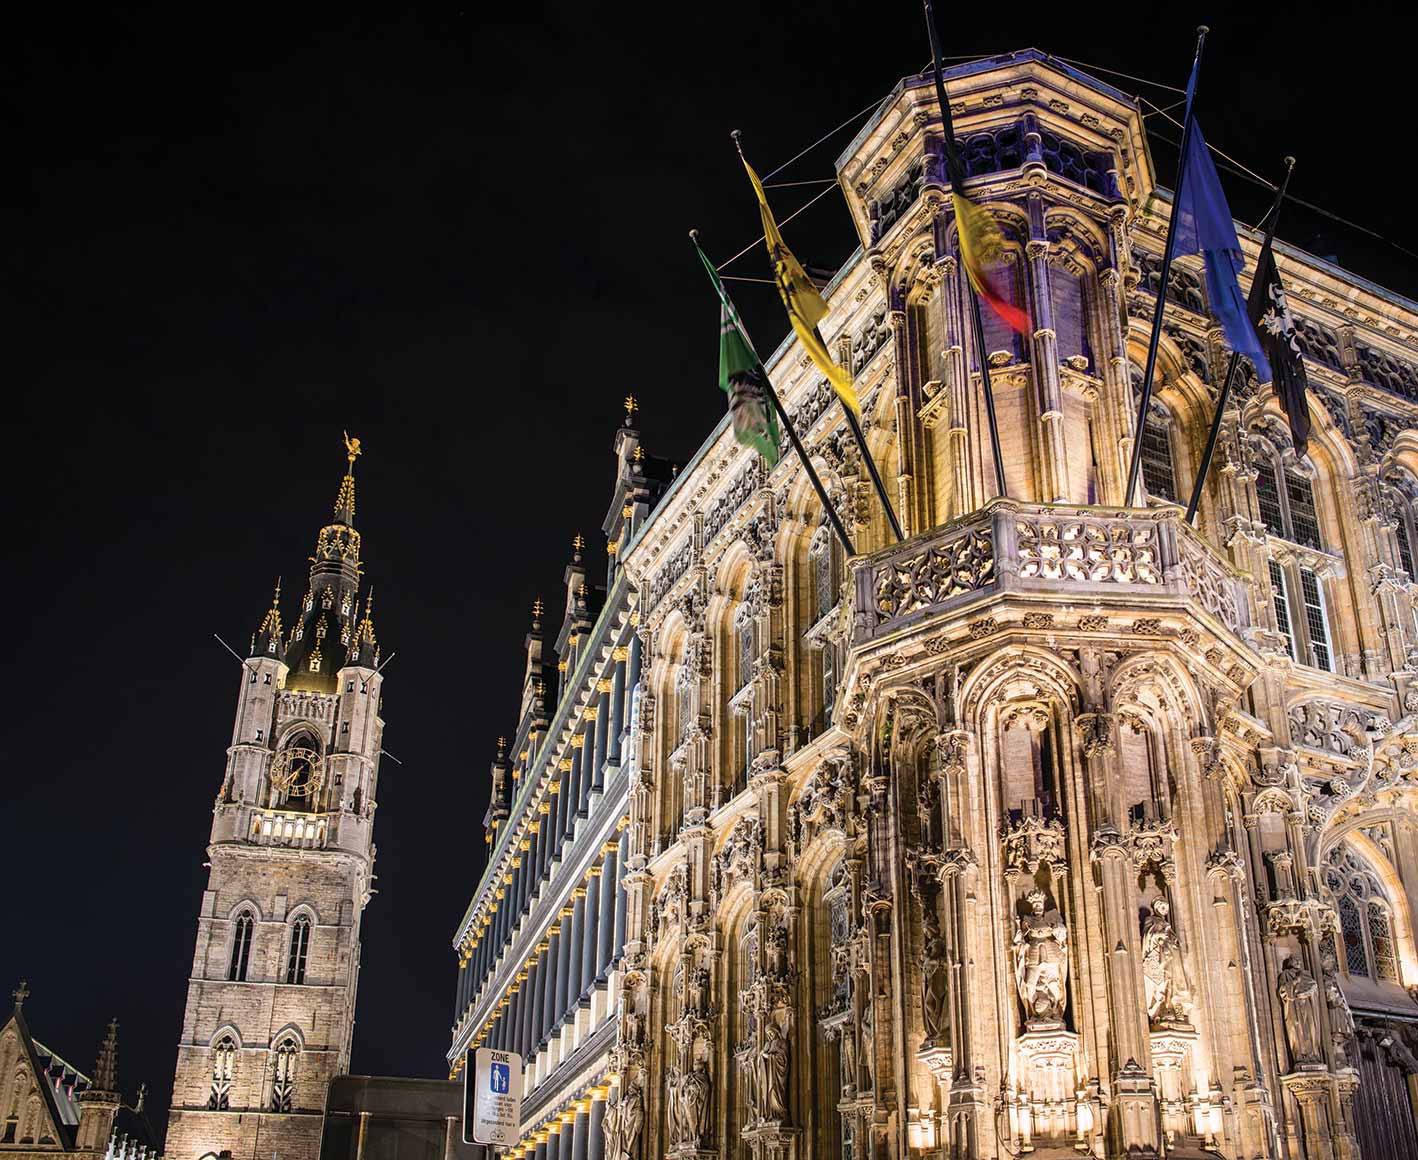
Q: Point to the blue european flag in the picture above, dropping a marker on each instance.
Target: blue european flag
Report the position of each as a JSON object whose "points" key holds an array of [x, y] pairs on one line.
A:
{"points": [[501, 1078], [1204, 226]]}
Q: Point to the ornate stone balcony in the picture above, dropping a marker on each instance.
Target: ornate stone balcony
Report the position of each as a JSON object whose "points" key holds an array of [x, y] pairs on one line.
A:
{"points": [[1138, 555]]}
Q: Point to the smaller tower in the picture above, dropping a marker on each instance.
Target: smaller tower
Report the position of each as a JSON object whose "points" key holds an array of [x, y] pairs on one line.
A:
{"points": [[100, 1101]]}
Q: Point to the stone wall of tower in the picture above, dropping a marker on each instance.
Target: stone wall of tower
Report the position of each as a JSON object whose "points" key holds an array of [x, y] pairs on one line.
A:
{"points": [[1061, 825], [262, 1038]]}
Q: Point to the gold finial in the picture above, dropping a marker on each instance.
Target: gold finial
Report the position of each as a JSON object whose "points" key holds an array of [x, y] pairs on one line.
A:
{"points": [[639, 453], [631, 406], [577, 542], [537, 608], [352, 449]]}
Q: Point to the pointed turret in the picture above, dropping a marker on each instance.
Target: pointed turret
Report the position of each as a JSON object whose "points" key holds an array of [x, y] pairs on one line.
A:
{"points": [[323, 634], [364, 649], [267, 640], [106, 1069]]}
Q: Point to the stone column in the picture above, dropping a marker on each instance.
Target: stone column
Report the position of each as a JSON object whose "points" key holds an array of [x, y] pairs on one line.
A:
{"points": [[598, 756], [548, 989], [617, 715], [571, 952], [571, 788], [610, 882], [618, 943], [529, 994], [541, 1151], [591, 942], [580, 1128], [596, 1141], [563, 969]]}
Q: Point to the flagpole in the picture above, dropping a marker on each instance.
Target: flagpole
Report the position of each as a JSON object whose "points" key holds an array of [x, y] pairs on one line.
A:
{"points": [[955, 171], [852, 421], [785, 420], [854, 424], [1271, 218], [1167, 250]]}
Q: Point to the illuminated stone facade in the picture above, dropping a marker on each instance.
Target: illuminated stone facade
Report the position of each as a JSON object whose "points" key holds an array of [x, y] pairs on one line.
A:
{"points": [[1061, 826], [270, 1005]]}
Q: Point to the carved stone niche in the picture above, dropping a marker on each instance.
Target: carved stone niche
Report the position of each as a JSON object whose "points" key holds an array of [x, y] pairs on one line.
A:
{"points": [[1032, 838], [1172, 1071], [1045, 1106]]}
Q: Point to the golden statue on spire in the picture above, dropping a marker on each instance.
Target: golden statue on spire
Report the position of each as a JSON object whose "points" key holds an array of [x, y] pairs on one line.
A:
{"points": [[631, 406], [352, 449]]}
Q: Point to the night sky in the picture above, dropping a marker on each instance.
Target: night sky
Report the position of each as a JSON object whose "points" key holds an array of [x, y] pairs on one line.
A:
{"points": [[235, 232]]}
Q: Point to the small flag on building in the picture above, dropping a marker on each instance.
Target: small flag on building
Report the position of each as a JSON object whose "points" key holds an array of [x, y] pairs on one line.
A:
{"points": [[982, 244], [1270, 313], [805, 305], [1204, 226], [741, 377]]}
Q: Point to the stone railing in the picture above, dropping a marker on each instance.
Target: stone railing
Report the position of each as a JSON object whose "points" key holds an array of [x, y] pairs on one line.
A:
{"points": [[1012, 546], [289, 829]]}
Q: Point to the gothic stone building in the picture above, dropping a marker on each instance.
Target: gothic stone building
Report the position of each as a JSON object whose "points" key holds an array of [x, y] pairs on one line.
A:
{"points": [[50, 1109], [1059, 827], [270, 1004]]}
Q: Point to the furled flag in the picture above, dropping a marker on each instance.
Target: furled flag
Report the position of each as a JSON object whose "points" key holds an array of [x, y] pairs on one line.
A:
{"points": [[981, 244], [805, 305], [1270, 313], [1204, 226], [742, 378]]}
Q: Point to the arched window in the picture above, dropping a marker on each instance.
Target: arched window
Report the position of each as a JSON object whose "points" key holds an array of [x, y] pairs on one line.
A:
{"points": [[1157, 471], [223, 1073], [1286, 502], [743, 627], [242, 933], [1400, 501], [1365, 923], [824, 580], [1287, 511], [683, 706], [283, 1059], [299, 950]]}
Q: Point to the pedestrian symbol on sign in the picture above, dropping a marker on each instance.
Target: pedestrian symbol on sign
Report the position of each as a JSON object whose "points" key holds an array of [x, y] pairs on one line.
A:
{"points": [[501, 1078]]}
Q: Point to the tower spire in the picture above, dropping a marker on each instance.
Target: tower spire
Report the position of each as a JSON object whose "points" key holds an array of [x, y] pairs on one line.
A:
{"points": [[106, 1069], [345, 499], [364, 649], [267, 639]]}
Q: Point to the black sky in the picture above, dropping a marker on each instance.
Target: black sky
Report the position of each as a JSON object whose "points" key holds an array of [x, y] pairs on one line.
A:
{"points": [[235, 232]]}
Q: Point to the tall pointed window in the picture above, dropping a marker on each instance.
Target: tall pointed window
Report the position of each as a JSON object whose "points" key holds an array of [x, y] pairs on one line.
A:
{"points": [[299, 950], [283, 1060], [223, 1072], [1365, 923], [242, 933], [1157, 470], [1285, 500]]}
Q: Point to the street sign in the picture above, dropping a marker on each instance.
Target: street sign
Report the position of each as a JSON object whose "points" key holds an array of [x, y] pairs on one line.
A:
{"points": [[492, 1097]]}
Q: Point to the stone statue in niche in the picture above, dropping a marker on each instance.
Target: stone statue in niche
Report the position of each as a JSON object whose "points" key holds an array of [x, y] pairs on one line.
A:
{"points": [[773, 1075], [1341, 1019], [694, 1106], [933, 985], [1298, 991], [674, 1106], [1164, 975], [698, 997], [1041, 963], [624, 1117], [777, 953]]}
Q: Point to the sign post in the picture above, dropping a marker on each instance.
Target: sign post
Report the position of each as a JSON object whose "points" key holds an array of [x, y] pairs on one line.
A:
{"points": [[492, 1097]]}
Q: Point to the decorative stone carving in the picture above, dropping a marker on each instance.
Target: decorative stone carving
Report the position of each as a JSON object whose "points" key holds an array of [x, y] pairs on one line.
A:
{"points": [[934, 998], [1095, 551], [772, 1075], [1041, 963], [1298, 992], [1164, 974], [929, 575], [625, 1115]]}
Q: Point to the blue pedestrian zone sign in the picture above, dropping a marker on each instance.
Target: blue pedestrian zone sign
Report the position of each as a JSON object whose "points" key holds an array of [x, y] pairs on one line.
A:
{"points": [[492, 1097]]}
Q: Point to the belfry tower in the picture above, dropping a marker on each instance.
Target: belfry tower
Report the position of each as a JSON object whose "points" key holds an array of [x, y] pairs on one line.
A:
{"points": [[270, 1002]]}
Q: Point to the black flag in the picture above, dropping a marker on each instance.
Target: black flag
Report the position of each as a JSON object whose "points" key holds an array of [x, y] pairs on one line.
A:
{"points": [[1270, 313]]}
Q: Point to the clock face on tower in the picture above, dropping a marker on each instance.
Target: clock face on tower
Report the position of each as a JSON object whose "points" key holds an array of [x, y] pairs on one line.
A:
{"points": [[296, 772]]}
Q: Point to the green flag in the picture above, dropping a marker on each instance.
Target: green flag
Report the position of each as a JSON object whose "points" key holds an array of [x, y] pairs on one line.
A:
{"points": [[742, 378]]}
